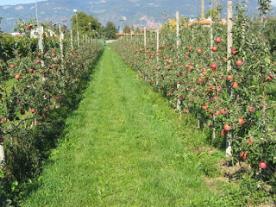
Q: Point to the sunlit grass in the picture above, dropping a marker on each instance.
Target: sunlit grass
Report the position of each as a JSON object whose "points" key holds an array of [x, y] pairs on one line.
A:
{"points": [[125, 146]]}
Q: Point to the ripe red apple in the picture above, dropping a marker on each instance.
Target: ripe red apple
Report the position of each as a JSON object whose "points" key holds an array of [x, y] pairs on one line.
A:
{"points": [[224, 111], [214, 66], [33, 110], [251, 109], [227, 128], [17, 76], [230, 78], [262, 165], [235, 85], [234, 51], [218, 39], [214, 49], [242, 121], [239, 63], [243, 155]]}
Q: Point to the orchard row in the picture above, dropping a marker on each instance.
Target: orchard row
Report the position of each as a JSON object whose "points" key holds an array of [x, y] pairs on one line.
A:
{"points": [[37, 91], [192, 72]]}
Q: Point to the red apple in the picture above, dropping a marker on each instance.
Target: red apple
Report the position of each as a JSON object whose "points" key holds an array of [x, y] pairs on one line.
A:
{"points": [[251, 109], [235, 85], [214, 49], [214, 66], [242, 121], [230, 78], [33, 110], [234, 51], [227, 127], [17, 76], [218, 39], [262, 165], [244, 155], [239, 63]]}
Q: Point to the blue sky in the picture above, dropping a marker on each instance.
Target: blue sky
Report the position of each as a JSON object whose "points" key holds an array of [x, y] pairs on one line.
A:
{"points": [[8, 2]]}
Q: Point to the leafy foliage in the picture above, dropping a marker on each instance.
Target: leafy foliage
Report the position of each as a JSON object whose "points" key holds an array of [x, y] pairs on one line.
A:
{"points": [[234, 104], [37, 92]]}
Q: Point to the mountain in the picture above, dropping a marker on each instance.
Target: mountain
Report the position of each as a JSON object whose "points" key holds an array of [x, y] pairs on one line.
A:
{"points": [[139, 12]]}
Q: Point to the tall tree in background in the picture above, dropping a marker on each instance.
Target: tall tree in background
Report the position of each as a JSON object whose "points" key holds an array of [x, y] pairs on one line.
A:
{"points": [[86, 24], [110, 30]]}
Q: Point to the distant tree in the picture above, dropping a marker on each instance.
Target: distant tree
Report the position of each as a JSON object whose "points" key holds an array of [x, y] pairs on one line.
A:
{"points": [[214, 13], [86, 24], [110, 30], [127, 29]]}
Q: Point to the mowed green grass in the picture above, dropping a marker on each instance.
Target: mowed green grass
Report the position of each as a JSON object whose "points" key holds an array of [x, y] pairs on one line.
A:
{"points": [[125, 146]]}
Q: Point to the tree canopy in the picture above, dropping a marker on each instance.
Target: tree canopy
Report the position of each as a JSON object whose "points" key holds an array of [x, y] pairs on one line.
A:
{"points": [[110, 30], [90, 25]]}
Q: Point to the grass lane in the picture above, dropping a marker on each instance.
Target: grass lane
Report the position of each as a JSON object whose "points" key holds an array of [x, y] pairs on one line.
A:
{"points": [[125, 146]]}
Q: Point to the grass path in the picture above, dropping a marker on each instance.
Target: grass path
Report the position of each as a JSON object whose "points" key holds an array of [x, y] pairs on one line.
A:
{"points": [[125, 146]]}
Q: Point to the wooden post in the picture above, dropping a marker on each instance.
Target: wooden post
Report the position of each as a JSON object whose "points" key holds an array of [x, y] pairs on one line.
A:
{"points": [[40, 39], [145, 38], [179, 102], [2, 154], [157, 43], [229, 32], [202, 9], [72, 39], [229, 67], [211, 37], [61, 37], [177, 29]]}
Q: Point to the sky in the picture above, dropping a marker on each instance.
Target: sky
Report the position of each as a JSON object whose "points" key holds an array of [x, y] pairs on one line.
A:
{"points": [[9, 2]]}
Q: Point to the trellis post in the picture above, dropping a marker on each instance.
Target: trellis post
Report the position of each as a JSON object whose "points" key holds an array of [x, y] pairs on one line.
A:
{"points": [[229, 66], [2, 153], [61, 37], [177, 29], [145, 38], [157, 43], [40, 39], [72, 39], [202, 9]]}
